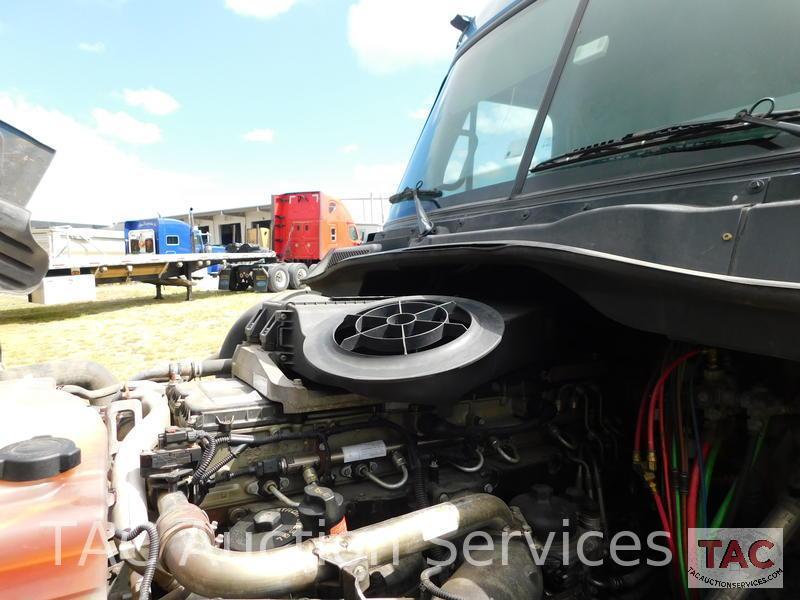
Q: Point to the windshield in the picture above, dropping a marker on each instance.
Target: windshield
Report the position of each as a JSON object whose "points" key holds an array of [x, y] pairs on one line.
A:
{"points": [[633, 66], [682, 61], [479, 127]]}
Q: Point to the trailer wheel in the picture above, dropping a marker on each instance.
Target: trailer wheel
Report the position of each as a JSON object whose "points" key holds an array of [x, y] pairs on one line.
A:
{"points": [[297, 272], [278, 278]]}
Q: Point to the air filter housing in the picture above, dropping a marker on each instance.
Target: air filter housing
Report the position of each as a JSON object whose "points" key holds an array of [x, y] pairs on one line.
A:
{"points": [[421, 349]]}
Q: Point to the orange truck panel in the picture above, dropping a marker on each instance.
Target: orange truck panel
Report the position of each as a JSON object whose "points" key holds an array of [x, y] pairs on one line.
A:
{"points": [[307, 225]]}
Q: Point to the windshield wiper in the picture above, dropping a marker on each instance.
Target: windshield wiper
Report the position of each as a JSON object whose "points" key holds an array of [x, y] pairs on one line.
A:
{"points": [[635, 141], [424, 223]]}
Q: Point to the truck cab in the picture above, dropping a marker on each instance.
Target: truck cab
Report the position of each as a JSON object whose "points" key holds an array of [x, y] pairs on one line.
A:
{"points": [[162, 236], [310, 224]]}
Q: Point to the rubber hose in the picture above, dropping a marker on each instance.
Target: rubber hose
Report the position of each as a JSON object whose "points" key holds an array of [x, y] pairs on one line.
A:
{"points": [[83, 373], [152, 554], [236, 332], [82, 392], [209, 366], [433, 589]]}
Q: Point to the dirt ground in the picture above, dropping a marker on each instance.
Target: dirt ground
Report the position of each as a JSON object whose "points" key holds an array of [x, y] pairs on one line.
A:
{"points": [[126, 329]]}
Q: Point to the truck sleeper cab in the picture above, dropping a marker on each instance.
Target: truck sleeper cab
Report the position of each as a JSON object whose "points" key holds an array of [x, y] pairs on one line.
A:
{"points": [[161, 236]]}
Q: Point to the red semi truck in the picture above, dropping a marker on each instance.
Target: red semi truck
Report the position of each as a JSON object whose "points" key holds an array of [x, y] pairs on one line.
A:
{"points": [[305, 227]]}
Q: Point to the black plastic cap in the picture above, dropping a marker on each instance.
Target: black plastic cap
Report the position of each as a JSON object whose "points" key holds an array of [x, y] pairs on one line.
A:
{"points": [[38, 458]]}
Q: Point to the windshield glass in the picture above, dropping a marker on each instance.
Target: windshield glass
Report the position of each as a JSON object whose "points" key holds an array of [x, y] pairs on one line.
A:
{"points": [[638, 66], [633, 66], [479, 127]]}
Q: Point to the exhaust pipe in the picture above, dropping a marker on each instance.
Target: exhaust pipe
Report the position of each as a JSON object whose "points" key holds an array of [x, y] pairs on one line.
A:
{"points": [[190, 554]]}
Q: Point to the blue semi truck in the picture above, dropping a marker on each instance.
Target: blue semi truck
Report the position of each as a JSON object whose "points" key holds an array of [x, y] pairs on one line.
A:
{"points": [[185, 249], [168, 236], [163, 236]]}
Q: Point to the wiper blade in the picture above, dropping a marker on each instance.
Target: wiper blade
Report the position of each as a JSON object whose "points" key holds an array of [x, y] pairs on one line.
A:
{"points": [[635, 141], [424, 223]]}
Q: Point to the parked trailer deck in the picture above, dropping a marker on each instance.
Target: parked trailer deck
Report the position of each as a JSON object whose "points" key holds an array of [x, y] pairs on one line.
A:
{"points": [[156, 269]]}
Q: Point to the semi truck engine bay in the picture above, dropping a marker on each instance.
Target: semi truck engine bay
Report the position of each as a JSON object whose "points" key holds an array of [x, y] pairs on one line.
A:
{"points": [[410, 446], [566, 368]]}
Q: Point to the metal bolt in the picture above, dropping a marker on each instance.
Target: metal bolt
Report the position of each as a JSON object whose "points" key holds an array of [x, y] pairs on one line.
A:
{"points": [[443, 497], [283, 358], [488, 488], [727, 236], [346, 471], [283, 483], [360, 572], [252, 488], [238, 513], [755, 186]]}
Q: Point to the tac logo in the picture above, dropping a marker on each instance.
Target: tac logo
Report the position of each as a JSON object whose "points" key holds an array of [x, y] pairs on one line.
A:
{"points": [[731, 558]]}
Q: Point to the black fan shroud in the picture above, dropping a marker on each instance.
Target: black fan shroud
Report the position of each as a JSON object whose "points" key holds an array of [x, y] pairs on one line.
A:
{"points": [[423, 349], [402, 326]]}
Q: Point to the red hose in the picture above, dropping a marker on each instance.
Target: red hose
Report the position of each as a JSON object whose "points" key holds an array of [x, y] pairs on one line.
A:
{"points": [[694, 486], [662, 515], [651, 446], [665, 460]]}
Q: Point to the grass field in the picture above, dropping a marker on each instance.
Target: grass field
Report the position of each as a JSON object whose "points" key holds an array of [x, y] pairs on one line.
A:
{"points": [[125, 330]]}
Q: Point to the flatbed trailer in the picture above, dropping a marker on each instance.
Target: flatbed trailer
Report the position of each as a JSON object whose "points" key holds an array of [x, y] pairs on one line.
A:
{"points": [[156, 269]]}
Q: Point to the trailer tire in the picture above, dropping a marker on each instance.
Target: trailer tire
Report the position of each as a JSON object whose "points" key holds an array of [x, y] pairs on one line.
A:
{"points": [[297, 272], [278, 278]]}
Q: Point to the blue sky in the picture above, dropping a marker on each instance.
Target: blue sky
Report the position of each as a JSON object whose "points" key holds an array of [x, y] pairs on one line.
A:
{"points": [[157, 105]]}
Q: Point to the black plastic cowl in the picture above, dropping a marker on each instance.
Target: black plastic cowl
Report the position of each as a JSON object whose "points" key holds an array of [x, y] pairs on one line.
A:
{"points": [[37, 458]]}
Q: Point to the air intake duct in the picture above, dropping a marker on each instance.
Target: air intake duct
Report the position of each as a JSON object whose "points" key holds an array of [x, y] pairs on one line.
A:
{"points": [[420, 349]]}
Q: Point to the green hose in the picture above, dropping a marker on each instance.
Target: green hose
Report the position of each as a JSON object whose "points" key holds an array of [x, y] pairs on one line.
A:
{"points": [[709, 471], [679, 524], [722, 512]]}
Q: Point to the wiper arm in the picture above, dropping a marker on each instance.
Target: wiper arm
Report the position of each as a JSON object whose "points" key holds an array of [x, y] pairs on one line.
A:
{"points": [[747, 116], [635, 141], [424, 223]]}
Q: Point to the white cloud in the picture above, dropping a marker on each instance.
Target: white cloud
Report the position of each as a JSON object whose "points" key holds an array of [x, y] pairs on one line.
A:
{"points": [[92, 180], [152, 100], [93, 47], [365, 179], [259, 135], [122, 126], [261, 9], [348, 148], [419, 114], [391, 35]]}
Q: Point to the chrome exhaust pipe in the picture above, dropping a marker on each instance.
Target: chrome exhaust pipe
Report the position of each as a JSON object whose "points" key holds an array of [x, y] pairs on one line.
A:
{"points": [[190, 553]]}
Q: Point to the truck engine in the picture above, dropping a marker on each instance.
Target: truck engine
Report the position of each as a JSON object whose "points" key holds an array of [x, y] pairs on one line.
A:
{"points": [[420, 446], [565, 367]]}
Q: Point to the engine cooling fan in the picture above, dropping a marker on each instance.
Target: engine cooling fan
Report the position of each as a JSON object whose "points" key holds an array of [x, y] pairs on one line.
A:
{"points": [[401, 327]]}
